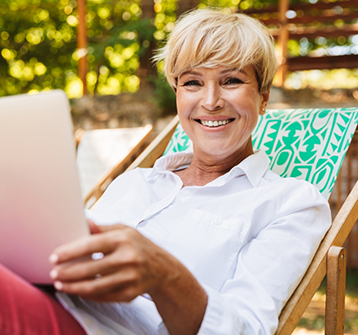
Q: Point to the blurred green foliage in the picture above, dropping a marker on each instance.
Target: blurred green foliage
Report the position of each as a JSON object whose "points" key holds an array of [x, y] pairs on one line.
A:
{"points": [[38, 45], [164, 95], [38, 48], [30, 37]]}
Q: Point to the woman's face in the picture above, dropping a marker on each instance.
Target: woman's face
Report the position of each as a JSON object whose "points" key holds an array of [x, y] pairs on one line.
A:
{"points": [[218, 109]]}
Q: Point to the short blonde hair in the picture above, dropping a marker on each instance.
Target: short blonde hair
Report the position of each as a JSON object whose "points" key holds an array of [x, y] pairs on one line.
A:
{"points": [[211, 38]]}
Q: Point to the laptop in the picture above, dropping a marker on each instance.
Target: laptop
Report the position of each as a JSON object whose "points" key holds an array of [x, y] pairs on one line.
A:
{"points": [[40, 199]]}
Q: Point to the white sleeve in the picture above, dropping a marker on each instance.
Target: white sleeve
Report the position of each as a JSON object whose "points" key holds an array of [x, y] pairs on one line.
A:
{"points": [[268, 270]]}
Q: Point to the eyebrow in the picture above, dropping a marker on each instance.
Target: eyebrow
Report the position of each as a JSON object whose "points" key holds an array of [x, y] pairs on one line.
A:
{"points": [[189, 72], [221, 72], [233, 70]]}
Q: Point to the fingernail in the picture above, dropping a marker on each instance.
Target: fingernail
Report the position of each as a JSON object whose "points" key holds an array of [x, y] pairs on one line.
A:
{"points": [[53, 258], [53, 274], [58, 285]]}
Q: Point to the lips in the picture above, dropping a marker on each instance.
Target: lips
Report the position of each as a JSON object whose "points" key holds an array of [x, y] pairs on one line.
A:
{"points": [[214, 123]]}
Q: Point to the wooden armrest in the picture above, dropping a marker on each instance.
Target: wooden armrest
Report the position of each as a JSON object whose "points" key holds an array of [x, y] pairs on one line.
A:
{"points": [[78, 136], [156, 149], [341, 226], [335, 292]]}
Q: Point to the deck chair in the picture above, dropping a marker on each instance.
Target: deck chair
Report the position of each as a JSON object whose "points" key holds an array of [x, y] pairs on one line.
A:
{"points": [[103, 154], [308, 144]]}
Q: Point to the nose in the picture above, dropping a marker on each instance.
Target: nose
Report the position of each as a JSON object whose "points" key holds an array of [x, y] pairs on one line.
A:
{"points": [[212, 98]]}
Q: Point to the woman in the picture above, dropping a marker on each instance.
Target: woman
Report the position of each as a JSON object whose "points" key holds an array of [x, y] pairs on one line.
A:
{"points": [[210, 242]]}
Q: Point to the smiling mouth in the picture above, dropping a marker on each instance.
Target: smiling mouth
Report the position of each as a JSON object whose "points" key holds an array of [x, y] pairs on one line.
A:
{"points": [[213, 124]]}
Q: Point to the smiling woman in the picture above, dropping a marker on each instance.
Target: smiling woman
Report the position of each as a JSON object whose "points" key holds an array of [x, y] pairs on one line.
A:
{"points": [[221, 68], [210, 242], [219, 109]]}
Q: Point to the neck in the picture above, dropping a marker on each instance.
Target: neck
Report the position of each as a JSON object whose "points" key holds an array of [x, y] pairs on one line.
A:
{"points": [[206, 168]]}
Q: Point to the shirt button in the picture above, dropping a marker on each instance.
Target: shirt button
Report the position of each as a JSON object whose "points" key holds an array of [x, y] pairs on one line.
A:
{"points": [[217, 222], [178, 201]]}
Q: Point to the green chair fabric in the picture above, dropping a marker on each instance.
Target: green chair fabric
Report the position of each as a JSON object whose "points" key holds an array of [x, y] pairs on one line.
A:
{"points": [[308, 144]]}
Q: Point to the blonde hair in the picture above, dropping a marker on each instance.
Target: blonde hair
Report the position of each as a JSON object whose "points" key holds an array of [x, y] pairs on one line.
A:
{"points": [[210, 38]]}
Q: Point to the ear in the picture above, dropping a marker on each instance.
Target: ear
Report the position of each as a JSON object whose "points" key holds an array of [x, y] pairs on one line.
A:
{"points": [[264, 101]]}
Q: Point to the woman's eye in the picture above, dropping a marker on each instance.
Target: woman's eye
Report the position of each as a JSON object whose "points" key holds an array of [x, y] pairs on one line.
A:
{"points": [[231, 81], [191, 83]]}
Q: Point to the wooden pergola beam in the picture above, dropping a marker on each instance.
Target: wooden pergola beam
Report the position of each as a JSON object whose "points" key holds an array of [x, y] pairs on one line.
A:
{"points": [[82, 44], [304, 7], [311, 19], [311, 33], [320, 63], [282, 39], [298, 27]]}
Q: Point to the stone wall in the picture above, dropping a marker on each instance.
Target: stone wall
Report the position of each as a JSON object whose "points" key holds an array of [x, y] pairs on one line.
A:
{"points": [[114, 111]]}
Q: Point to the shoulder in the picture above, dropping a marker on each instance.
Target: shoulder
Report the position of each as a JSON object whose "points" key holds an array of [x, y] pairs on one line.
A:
{"points": [[292, 194], [272, 179]]}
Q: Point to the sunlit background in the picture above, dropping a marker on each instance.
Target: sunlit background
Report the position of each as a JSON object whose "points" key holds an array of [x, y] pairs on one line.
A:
{"points": [[39, 50]]}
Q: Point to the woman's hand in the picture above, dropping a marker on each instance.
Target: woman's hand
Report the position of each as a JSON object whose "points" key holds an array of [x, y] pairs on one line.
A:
{"points": [[131, 265]]}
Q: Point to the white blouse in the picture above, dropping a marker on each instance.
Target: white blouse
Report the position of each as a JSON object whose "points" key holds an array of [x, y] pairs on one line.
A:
{"points": [[248, 237]]}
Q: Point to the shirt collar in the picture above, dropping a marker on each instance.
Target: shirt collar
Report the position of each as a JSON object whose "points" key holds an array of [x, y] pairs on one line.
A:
{"points": [[254, 166], [171, 162]]}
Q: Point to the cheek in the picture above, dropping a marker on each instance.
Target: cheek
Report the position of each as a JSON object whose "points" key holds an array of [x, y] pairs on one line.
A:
{"points": [[181, 110], [253, 102], [253, 95], [185, 103], [180, 98], [247, 96]]}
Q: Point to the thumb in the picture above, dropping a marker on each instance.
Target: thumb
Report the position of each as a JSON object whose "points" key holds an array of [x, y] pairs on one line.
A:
{"points": [[93, 227], [97, 229]]}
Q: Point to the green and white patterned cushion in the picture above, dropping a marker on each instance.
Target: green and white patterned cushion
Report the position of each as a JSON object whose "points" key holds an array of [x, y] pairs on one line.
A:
{"points": [[308, 144]]}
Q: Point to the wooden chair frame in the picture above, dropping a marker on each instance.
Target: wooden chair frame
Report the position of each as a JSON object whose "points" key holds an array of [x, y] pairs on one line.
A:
{"points": [[329, 259], [101, 185]]}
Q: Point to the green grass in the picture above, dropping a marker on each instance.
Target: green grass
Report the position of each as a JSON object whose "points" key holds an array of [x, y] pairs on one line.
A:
{"points": [[316, 323], [351, 284]]}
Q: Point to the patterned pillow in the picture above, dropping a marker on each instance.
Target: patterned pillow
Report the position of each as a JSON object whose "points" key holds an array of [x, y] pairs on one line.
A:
{"points": [[308, 144]]}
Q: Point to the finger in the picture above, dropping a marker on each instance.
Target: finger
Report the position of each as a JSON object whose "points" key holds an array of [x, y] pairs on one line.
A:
{"points": [[104, 228], [88, 269], [97, 289], [93, 227], [96, 229], [85, 246]]}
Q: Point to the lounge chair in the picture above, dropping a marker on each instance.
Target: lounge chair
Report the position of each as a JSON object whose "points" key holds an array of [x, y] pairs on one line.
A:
{"points": [[103, 154], [307, 144]]}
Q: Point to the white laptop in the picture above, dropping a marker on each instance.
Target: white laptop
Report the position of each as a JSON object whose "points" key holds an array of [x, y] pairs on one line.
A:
{"points": [[40, 199]]}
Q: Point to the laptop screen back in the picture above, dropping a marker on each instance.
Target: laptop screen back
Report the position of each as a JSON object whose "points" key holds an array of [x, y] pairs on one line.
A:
{"points": [[40, 199]]}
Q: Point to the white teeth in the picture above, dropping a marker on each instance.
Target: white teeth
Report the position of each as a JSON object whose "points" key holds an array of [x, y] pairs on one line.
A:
{"points": [[214, 123]]}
